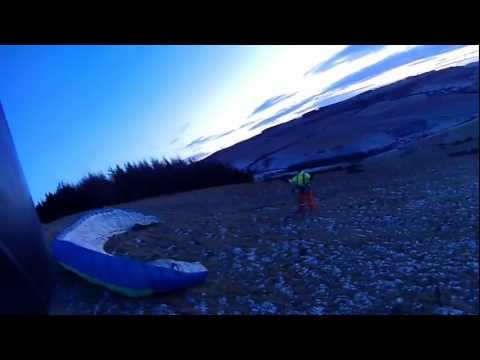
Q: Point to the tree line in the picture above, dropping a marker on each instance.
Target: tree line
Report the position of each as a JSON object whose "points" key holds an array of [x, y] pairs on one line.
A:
{"points": [[135, 181]]}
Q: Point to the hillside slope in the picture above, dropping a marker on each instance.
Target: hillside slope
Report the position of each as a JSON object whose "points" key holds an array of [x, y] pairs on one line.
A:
{"points": [[372, 122], [401, 236]]}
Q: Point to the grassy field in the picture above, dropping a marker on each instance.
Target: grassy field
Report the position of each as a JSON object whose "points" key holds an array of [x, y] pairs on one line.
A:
{"points": [[401, 236]]}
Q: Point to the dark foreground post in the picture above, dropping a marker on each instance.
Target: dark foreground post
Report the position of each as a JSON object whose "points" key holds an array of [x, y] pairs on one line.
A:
{"points": [[26, 270]]}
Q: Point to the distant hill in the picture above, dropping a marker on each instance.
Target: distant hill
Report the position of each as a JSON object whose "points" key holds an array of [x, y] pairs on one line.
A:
{"points": [[367, 124]]}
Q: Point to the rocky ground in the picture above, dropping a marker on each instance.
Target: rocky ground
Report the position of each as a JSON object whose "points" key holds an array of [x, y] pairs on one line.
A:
{"points": [[400, 237]]}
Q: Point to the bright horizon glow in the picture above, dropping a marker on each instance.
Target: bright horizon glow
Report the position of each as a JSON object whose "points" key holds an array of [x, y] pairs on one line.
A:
{"points": [[79, 109]]}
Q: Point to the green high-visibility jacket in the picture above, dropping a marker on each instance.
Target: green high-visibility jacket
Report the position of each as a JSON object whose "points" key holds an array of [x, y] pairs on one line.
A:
{"points": [[301, 179]]}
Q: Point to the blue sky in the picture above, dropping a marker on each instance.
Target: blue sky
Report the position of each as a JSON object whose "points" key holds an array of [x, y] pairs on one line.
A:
{"points": [[79, 109]]}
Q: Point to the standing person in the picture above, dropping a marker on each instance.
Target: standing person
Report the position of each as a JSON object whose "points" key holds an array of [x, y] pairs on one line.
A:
{"points": [[302, 185]]}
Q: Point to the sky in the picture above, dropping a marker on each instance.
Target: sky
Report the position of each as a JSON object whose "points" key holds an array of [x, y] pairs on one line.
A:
{"points": [[78, 109]]}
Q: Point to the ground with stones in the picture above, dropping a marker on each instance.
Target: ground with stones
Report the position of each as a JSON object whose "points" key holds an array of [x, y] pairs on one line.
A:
{"points": [[400, 237]]}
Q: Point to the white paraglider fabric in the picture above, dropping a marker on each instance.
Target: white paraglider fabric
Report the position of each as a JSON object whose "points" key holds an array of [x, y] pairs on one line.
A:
{"points": [[94, 230]]}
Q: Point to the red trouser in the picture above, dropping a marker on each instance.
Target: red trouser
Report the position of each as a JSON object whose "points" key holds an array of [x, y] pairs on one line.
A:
{"points": [[305, 197]]}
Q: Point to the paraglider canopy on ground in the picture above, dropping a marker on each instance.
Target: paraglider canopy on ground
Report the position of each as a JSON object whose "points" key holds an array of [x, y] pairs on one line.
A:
{"points": [[80, 249]]}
